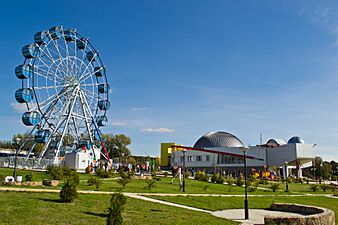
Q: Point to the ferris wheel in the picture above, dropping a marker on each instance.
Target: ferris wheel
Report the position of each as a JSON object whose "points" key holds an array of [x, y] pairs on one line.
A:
{"points": [[65, 89]]}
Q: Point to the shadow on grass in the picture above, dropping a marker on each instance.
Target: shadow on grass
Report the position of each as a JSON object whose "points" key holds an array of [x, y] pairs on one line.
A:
{"points": [[51, 200], [103, 215]]}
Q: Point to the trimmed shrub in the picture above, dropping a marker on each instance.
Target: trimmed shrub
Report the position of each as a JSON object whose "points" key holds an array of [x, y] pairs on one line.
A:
{"points": [[217, 178], [2, 177], [325, 187], [201, 176], [299, 180], [239, 182], [150, 183], [314, 187], [230, 181], [29, 177], [69, 192], [117, 203], [274, 186], [56, 172], [94, 181]]}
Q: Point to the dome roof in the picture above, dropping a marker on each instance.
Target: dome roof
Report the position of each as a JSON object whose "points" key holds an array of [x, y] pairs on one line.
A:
{"points": [[275, 142], [296, 140], [218, 139]]}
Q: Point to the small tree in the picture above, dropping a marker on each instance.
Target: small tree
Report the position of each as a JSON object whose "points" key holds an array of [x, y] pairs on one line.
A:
{"points": [[314, 187], [68, 192], [123, 182], [150, 183], [29, 177], [117, 203], [274, 186], [94, 181]]}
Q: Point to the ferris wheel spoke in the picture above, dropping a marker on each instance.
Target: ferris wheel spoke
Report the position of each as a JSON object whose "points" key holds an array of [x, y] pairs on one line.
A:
{"points": [[54, 79]]}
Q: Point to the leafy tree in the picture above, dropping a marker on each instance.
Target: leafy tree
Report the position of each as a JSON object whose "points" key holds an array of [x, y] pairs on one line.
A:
{"points": [[326, 170], [117, 145], [334, 166]]}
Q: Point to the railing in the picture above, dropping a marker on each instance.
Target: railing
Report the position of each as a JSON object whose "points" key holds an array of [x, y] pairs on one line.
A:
{"points": [[22, 163]]}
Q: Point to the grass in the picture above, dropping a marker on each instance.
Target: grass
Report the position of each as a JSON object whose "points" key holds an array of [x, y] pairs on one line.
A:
{"points": [[44, 208], [301, 188], [37, 175], [165, 186], [220, 203]]}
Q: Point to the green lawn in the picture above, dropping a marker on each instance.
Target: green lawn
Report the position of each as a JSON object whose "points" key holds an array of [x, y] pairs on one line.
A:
{"points": [[165, 186], [301, 188], [220, 203], [43, 208], [37, 175]]}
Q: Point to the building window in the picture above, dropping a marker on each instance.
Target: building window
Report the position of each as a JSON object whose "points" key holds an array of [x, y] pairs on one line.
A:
{"points": [[181, 158], [207, 158], [199, 158], [190, 158]]}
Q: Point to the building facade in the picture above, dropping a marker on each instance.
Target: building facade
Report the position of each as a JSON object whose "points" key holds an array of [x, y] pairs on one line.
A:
{"points": [[274, 154]]}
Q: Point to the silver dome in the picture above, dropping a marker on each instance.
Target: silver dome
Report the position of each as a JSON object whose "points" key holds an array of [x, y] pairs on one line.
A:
{"points": [[218, 139], [296, 140], [275, 142]]}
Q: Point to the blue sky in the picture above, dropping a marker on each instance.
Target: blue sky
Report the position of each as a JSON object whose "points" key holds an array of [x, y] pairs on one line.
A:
{"points": [[179, 69]]}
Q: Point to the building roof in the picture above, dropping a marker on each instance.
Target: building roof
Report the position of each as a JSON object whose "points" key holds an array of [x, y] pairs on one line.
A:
{"points": [[296, 140], [275, 142], [218, 139]]}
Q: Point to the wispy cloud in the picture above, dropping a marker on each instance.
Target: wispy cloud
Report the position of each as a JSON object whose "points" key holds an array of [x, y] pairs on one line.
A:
{"points": [[158, 130], [140, 108], [320, 14], [18, 107]]}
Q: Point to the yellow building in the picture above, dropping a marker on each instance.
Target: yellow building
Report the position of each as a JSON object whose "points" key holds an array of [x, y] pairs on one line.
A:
{"points": [[166, 151]]}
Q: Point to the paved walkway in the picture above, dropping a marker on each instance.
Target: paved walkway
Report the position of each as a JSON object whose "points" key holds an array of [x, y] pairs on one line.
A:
{"points": [[256, 216]]}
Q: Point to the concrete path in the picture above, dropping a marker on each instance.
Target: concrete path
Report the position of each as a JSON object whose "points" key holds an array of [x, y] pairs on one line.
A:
{"points": [[256, 216]]}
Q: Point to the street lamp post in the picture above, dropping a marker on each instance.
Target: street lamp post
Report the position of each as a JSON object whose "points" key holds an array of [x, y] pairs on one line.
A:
{"points": [[286, 177], [245, 149], [183, 183], [17, 141]]}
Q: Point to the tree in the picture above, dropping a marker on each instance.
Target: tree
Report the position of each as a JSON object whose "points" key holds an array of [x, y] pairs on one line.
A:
{"points": [[117, 145], [334, 166], [326, 170], [117, 203]]}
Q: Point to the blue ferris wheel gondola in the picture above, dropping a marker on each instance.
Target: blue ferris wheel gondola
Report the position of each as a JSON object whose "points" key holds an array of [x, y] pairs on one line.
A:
{"points": [[103, 88], [70, 34], [31, 118], [24, 95], [41, 37], [41, 136], [104, 104], [24, 71], [81, 43], [56, 32], [99, 71], [30, 51], [102, 121], [91, 56]]}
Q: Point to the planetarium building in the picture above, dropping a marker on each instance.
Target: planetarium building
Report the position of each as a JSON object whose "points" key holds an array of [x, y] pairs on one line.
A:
{"points": [[222, 148]]}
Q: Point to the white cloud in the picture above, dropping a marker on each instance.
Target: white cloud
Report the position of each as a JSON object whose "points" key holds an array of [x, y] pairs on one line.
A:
{"points": [[158, 130], [18, 107], [119, 123], [140, 108]]}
